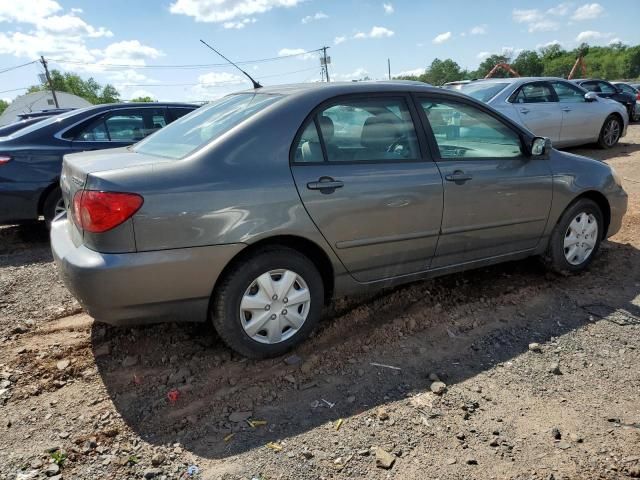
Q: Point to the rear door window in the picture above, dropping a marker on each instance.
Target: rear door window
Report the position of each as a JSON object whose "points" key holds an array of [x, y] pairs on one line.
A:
{"points": [[606, 88], [568, 93], [538, 92]]}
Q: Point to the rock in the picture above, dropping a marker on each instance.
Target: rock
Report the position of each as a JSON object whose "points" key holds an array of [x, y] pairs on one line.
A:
{"points": [[5, 384], [471, 461], [130, 361], [290, 379], [351, 399], [307, 454], [535, 347], [36, 464], [64, 435], [634, 472], [181, 376], [576, 438], [382, 414], [451, 461], [237, 417], [152, 472], [62, 364], [563, 445], [52, 469], [438, 388], [555, 433], [293, 360], [158, 459], [494, 442], [555, 368], [460, 436], [384, 459]]}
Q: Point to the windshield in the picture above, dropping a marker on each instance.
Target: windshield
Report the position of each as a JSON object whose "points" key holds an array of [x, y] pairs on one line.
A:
{"points": [[203, 125], [483, 91], [48, 121]]}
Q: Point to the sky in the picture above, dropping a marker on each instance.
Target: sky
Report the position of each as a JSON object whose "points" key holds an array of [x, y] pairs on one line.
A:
{"points": [[152, 47]]}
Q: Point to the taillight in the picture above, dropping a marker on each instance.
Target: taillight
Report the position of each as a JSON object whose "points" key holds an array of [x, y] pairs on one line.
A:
{"points": [[638, 96], [4, 159], [98, 212]]}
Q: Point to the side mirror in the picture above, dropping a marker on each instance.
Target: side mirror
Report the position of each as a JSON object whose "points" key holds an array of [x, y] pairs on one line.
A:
{"points": [[540, 147], [591, 97]]}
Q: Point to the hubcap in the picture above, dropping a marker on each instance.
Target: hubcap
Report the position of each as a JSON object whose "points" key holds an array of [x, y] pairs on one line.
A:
{"points": [[580, 238], [275, 306], [59, 208], [611, 132]]}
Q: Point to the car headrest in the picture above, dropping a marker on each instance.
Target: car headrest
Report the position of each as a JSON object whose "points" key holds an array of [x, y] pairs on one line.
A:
{"points": [[326, 127], [379, 132]]}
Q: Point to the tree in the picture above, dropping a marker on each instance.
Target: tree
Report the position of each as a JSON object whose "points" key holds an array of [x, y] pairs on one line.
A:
{"points": [[528, 64], [145, 99], [490, 62], [442, 71], [3, 105], [88, 89]]}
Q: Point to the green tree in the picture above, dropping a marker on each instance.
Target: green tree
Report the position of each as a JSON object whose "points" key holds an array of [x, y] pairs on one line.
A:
{"points": [[490, 62], [88, 89], [145, 99], [442, 71], [528, 64], [3, 105]]}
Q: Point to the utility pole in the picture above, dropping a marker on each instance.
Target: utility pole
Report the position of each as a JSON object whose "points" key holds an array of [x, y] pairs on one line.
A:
{"points": [[46, 72], [389, 67], [325, 63]]}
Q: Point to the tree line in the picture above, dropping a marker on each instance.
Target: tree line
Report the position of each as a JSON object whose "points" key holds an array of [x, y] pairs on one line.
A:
{"points": [[615, 62]]}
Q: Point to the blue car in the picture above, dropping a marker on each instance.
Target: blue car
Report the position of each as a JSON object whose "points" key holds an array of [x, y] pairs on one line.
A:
{"points": [[31, 157]]}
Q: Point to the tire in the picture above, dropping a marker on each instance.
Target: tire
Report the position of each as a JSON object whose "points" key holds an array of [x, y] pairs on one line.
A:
{"points": [[51, 206], [607, 138], [232, 320], [559, 256]]}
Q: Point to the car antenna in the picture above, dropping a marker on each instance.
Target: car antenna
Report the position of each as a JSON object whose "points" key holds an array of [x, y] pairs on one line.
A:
{"points": [[255, 84]]}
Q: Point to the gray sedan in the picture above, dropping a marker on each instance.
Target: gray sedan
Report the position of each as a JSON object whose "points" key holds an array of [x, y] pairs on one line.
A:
{"points": [[554, 108], [257, 209]]}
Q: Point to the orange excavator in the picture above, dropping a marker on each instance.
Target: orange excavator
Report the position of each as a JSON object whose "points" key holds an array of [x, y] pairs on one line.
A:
{"points": [[503, 66], [579, 63]]}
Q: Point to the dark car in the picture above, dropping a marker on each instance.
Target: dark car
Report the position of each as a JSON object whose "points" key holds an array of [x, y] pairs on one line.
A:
{"points": [[10, 128], [31, 157], [607, 90], [50, 112], [633, 89]]}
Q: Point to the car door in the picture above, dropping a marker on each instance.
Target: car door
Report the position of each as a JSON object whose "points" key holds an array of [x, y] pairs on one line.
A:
{"points": [[496, 199], [581, 120], [537, 107], [365, 179]]}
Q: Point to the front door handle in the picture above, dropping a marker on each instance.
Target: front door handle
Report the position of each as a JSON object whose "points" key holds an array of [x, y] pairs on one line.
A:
{"points": [[459, 177], [325, 185], [566, 109], [524, 110]]}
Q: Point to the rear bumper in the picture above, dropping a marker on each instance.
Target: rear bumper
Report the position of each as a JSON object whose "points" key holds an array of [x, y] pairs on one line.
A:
{"points": [[140, 287]]}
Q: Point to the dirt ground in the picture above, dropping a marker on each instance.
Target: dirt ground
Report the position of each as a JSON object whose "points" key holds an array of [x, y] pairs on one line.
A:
{"points": [[80, 400]]}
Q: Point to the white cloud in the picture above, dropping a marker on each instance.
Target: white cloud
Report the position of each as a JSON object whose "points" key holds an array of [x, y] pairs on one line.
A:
{"points": [[479, 30], [130, 52], [299, 52], [239, 24], [218, 11], [416, 72], [357, 74], [543, 26], [616, 40], [213, 85], [388, 8], [591, 35], [548, 44], [27, 11], [560, 10], [526, 16], [70, 24], [376, 32], [317, 16], [443, 37], [339, 40], [588, 11], [483, 55], [535, 20]]}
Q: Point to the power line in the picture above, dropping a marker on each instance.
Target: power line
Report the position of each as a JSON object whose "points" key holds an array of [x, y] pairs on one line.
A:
{"points": [[18, 66], [15, 90], [185, 66]]}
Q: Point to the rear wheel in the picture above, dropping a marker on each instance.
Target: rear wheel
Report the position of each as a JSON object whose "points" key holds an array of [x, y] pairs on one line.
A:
{"points": [[53, 206], [268, 303], [610, 132], [576, 238]]}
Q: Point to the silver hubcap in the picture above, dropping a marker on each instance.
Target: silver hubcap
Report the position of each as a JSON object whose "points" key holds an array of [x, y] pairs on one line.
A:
{"points": [[611, 132], [275, 306], [59, 208], [580, 239]]}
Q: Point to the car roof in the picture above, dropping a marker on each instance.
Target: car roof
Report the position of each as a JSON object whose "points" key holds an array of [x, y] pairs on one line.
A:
{"points": [[589, 80], [337, 88], [519, 79]]}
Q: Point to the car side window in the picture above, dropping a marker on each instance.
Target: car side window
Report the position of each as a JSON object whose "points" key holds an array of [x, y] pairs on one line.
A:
{"points": [[463, 131], [94, 132], [591, 86], [626, 88], [568, 93], [606, 88], [309, 149], [534, 93], [125, 128], [368, 130]]}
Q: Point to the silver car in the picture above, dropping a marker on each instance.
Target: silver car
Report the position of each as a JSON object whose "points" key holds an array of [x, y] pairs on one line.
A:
{"points": [[254, 211], [554, 108]]}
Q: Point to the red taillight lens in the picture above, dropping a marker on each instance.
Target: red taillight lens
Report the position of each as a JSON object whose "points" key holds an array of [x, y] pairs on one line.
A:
{"points": [[638, 96], [4, 159], [97, 212]]}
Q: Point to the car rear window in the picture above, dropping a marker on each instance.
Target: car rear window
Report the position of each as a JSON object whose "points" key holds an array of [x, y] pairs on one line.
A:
{"points": [[483, 91], [203, 125]]}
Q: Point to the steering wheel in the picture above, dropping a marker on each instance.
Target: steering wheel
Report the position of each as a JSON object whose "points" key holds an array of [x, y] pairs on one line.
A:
{"points": [[400, 146]]}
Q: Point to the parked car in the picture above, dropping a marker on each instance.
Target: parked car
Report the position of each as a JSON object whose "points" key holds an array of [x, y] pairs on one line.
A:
{"points": [[554, 108], [635, 91], [7, 130], [456, 85], [49, 112], [31, 157], [256, 209], [605, 89]]}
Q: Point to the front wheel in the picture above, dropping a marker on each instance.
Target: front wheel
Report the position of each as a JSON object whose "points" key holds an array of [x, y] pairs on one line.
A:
{"points": [[610, 132], [268, 303], [576, 238]]}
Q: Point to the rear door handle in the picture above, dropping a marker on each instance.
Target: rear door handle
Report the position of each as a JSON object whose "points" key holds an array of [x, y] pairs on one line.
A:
{"points": [[325, 185], [458, 176], [566, 109], [524, 110]]}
